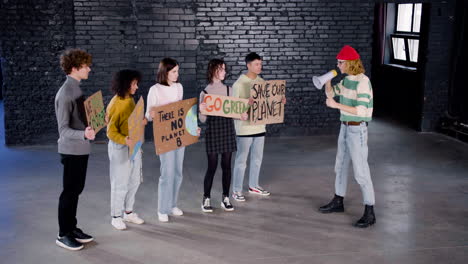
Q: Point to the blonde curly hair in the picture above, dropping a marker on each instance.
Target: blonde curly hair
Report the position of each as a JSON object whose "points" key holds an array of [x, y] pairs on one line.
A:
{"points": [[354, 67]]}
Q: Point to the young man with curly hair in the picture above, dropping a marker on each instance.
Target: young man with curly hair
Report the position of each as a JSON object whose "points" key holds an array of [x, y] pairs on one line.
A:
{"points": [[73, 145]]}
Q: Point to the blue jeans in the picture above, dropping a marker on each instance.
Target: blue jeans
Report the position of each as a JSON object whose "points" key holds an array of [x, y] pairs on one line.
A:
{"points": [[172, 163], [352, 146], [125, 178], [244, 145]]}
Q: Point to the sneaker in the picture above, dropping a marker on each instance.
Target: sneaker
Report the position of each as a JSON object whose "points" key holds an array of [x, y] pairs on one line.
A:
{"points": [[118, 223], [206, 205], [133, 218], [68, 242], [226, 204], [177, 212], [163, 217], [80, 236], [238, 196], [259, 191]]}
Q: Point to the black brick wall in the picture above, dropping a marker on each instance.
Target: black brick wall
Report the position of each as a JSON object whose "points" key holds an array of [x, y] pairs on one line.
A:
{"points": [[297, 38], [33, 33], [439, 59]]}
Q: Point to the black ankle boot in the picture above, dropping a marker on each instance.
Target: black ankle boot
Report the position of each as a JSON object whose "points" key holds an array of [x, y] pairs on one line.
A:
{"points": [[367, 219], [335, 206]]}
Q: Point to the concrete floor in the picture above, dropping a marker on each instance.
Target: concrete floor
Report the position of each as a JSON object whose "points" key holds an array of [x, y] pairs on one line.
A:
{"points": [[421, 186]]}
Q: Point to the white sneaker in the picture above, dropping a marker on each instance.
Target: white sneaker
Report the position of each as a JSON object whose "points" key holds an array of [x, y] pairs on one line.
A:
{"points": [[259, 190], [133, 218], [163, 217], [177, 212], [226, 204], [118, 223], [238, 196]]}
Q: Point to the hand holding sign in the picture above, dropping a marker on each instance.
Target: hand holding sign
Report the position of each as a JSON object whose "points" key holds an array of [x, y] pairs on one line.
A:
{"points": [[129, 142], [202, 107], [89, 133]]}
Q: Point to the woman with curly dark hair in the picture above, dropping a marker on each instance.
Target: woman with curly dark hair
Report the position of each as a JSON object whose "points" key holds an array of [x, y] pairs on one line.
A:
{"points": [[125, 174]]}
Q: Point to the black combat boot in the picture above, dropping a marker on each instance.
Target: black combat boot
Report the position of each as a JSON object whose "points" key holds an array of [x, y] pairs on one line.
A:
{"points": [[335, 206], [367, 219]]}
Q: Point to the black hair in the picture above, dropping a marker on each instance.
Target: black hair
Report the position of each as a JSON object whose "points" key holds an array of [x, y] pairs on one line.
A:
{"points": [[251, 57], [122, 81]]}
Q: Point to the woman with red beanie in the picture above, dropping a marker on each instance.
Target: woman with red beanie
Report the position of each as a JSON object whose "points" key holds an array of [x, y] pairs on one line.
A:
{"points": [[355, 105]]}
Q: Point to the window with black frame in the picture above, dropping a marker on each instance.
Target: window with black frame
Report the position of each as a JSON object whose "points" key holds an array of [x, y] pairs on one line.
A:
{"points": [[405, 40]]}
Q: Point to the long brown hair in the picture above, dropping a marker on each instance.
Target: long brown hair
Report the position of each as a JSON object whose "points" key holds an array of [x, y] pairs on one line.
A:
{"points": [[165, 66], [213, 66]]}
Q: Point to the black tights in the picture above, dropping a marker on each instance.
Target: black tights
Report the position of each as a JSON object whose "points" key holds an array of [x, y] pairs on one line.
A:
{"points": [[212, 165]]}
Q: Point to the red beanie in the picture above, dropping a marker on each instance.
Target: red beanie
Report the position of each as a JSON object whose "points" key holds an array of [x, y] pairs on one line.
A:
{"points": [[347, 53]]}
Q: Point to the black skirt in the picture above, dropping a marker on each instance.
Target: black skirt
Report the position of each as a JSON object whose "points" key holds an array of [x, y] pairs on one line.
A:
{"points": [[220, 135]]}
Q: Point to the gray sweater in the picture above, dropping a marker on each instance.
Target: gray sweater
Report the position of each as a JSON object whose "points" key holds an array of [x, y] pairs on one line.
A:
{"points": [[71, 119]]}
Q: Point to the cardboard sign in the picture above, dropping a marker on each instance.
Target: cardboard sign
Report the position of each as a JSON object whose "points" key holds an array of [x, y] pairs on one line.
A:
{"points": [[175, 125], [136, 129], [267, 107], [218, 105], [95, 112]]}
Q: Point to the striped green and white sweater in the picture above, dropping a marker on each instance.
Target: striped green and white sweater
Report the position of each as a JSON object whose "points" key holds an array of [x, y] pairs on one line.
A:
{"points": [[355, 91]]}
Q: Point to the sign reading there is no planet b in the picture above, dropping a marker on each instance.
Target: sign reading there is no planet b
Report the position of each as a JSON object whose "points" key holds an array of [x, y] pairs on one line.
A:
{"points": [[175, 125]]}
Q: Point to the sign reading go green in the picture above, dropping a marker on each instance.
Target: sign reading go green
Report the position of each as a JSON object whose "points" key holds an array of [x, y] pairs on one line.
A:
{"points": [[218, 105]]}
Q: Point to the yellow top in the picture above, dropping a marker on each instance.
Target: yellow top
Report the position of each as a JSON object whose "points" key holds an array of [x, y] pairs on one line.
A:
{"points": [[118, 112]]}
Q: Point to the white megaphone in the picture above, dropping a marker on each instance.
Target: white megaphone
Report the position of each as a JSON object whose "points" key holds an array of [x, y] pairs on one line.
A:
{"points": [[319, 81]]}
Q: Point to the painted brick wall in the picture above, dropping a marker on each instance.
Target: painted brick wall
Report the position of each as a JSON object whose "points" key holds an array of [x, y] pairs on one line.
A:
{"points": [[297, 39]]}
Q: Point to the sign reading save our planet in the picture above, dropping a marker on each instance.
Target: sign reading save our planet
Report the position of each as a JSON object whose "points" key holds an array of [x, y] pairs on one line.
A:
{"points": [[218, 105], [267, 107], [175, 125]]}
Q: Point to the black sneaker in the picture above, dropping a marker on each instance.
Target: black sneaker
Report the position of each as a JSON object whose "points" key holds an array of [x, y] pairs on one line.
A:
{"points": [[206, 205], [80, 236], [68, 242], [226, 204]]}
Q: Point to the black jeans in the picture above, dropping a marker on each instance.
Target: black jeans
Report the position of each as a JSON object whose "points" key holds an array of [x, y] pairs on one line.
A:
{"points": [[74, 177], [225, 166]]}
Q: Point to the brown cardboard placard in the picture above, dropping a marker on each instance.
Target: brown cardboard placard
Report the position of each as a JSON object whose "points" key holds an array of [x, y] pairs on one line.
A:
{"points": [[227, 106], [267, 107], [136, 129], [95, 112], [175, 125]]}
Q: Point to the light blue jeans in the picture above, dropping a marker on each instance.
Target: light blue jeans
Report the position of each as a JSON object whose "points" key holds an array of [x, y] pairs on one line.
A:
{"points": [[254, 145], [125, 177], [172, 163], [352, 147]]}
